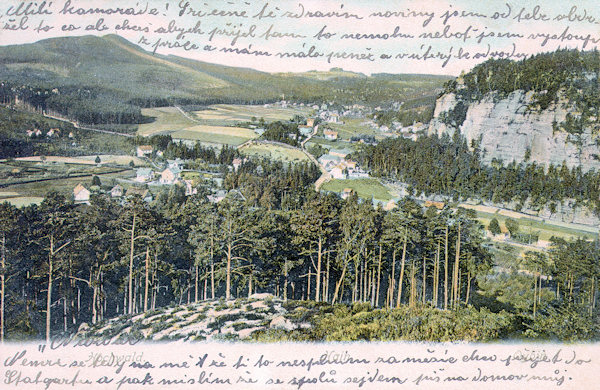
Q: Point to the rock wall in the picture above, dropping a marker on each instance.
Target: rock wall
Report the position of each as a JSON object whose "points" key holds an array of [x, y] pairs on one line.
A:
{"points": [[506, 129]]}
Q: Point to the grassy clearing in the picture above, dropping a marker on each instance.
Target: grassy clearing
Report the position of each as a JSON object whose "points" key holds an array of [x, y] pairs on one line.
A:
{"points": [[209, 138], [65, 186], [233, 113], [224, 130], [352, 127], [545, 228], [115, 159], [274, 152], [23, 201], [364, 188], [168, 119]]}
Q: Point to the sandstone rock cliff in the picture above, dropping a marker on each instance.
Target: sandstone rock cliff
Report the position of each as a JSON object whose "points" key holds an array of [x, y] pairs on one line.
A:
{"points": [[508, 130]]}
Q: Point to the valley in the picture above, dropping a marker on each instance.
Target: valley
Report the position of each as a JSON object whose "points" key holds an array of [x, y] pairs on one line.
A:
{"points": [[194, 201]]}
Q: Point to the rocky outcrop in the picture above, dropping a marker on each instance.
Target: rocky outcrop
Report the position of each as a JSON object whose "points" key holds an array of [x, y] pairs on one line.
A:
{"points": [[508, 130], [208, 320]]}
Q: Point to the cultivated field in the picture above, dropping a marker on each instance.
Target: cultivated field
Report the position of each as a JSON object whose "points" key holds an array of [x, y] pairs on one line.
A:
{"points": [[274, 152], [168, 119], [352, 127], [364, 188], [233, 113]]}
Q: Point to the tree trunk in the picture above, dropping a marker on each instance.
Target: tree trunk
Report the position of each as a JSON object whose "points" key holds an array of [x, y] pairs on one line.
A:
{"points": [[65, 316], [446, 270], [424, 289], [49, 295], [308, 284], [326, 295], [285, 280], [402, 263], [413, 286], [468, 288], [318, 278], [373, 288], [196, 283], [130, 302], [436, 276], [212, 271], [228, 278], [534, 293], [540, 291], [339, 284], [147, 280], [378, 279], [249, 286], [456, 269], [392, 286]]}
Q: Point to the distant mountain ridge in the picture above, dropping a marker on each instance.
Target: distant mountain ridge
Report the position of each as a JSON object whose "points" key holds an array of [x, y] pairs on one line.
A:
{"points": [[112, 78]]}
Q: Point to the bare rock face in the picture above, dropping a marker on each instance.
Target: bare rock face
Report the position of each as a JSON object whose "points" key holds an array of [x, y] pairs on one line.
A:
{"points": [[280, 322], [506, 130]]}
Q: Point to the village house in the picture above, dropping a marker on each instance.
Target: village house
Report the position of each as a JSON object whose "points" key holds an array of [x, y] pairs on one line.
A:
{"points": [[346, 193], [53, 132], [437, 205], [305, 130], [175, 164], [144, 150], [170, 176], [333, 118], [116, 191], [338, 172], [329, 161], [390, 205], [217, 196], [144, 175], [236, 163], [330, 135], [81, 194], [310, 122], [189, 188]]}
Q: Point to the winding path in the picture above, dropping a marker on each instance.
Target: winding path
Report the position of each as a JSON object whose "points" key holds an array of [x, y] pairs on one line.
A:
{"points": [[77, 126]]}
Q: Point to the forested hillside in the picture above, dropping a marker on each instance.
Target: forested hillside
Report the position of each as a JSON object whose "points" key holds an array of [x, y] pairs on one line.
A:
{"points": [[107, 80], [448, 166], [66, 264]]}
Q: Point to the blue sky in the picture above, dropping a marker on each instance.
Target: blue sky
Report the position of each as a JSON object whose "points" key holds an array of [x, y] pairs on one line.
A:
{"points": [[471, 28]]}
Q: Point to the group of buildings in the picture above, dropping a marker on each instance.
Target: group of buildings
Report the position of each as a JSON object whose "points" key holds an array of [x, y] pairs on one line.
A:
{"points": [[82, 194], [339, 167], [170, 175]]}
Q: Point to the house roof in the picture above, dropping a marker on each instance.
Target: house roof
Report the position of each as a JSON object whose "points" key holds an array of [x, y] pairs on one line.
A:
{"points": [[79, 188], [175, 171], [117, 188], [143, 172], [146, 148], [340, 151], [329, 157]]}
